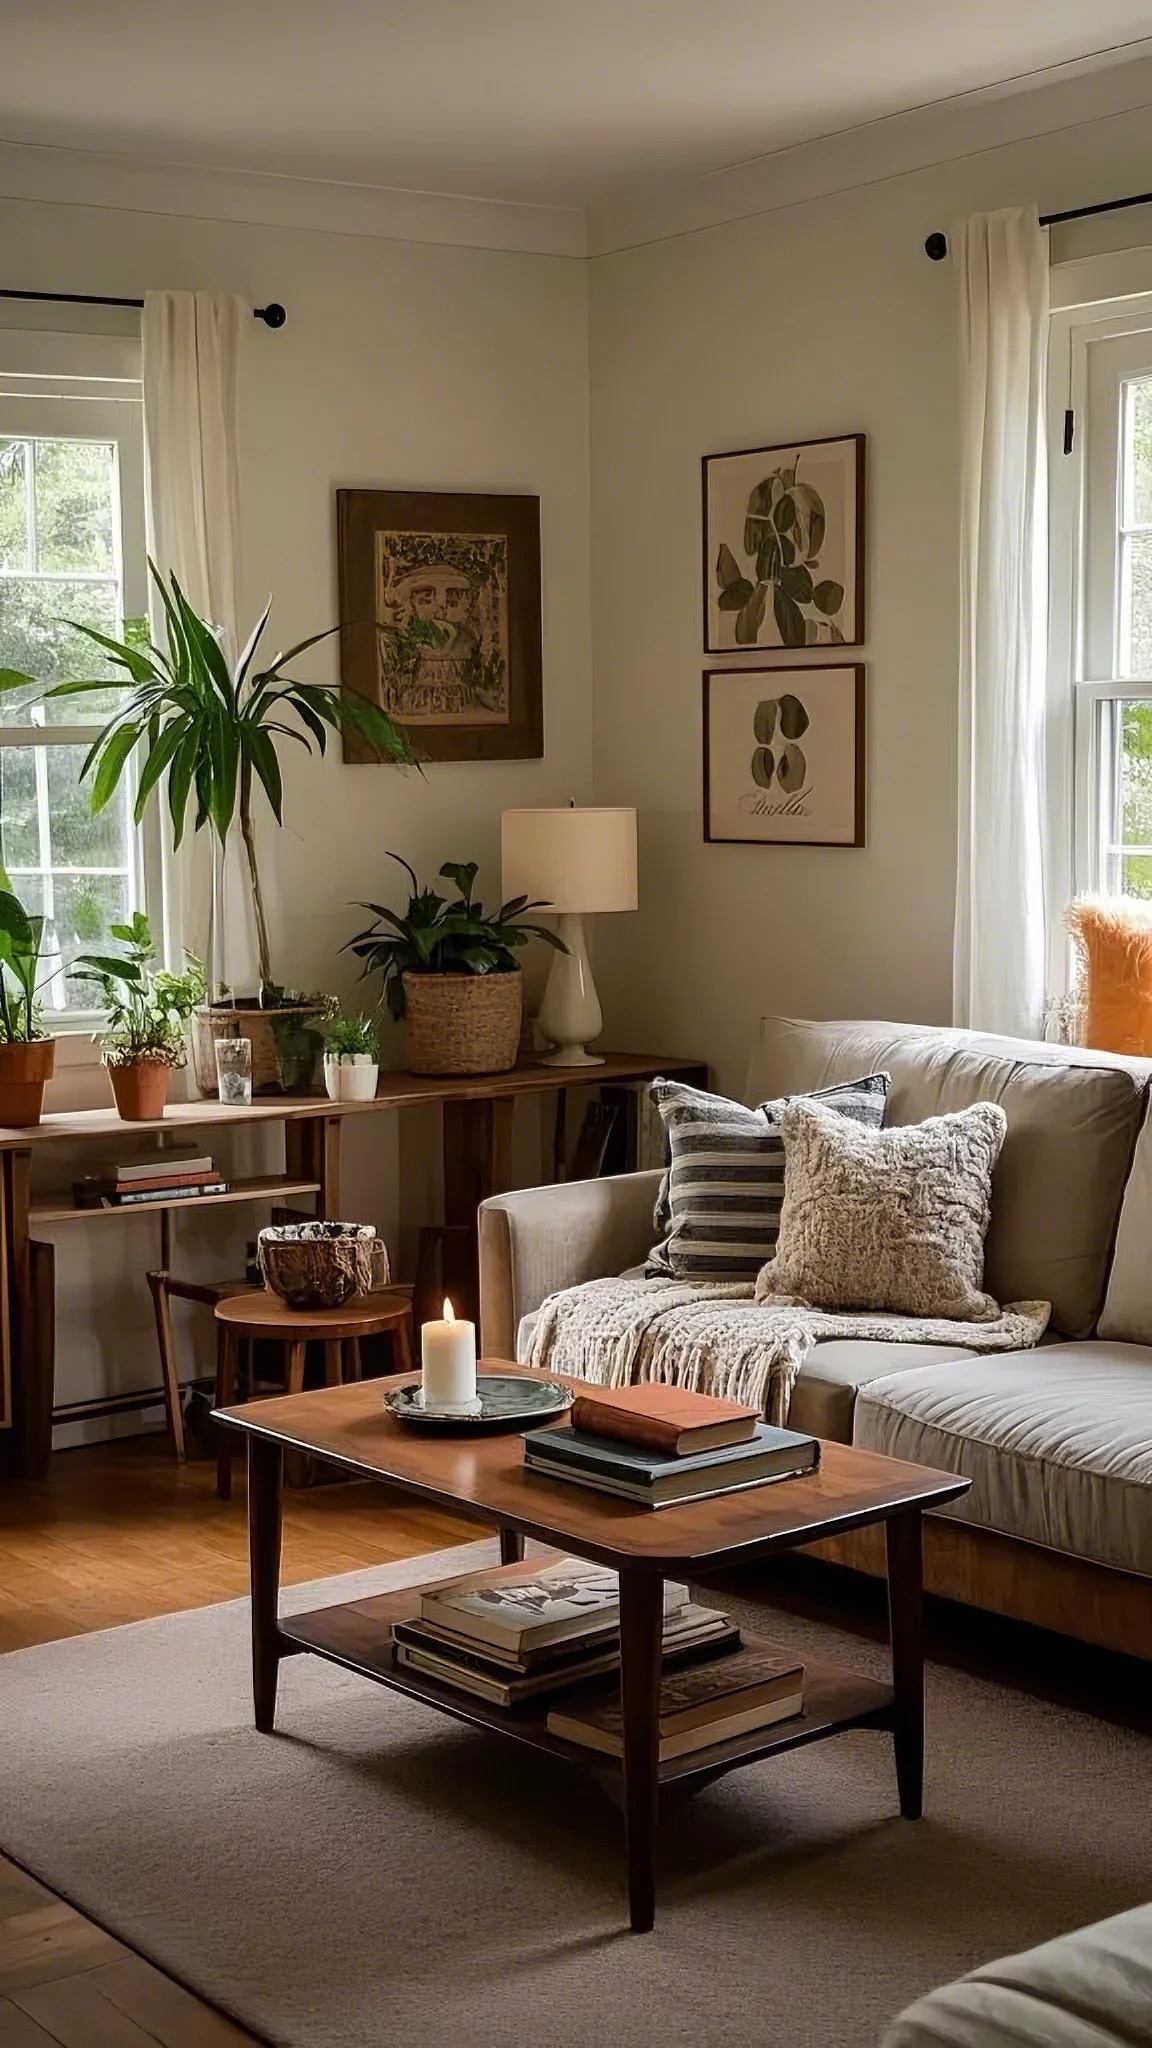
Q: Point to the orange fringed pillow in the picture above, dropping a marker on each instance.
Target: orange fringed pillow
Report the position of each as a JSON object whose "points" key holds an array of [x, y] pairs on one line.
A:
{"points": [[1113, 936]]}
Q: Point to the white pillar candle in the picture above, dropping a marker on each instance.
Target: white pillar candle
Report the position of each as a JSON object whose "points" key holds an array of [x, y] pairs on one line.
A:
{"points": [[448, 1356]]}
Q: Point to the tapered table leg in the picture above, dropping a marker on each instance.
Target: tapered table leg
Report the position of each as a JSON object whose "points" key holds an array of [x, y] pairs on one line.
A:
{"points": [[641, 1637], [906, 1629], [511, 1546], [265, 1496]]}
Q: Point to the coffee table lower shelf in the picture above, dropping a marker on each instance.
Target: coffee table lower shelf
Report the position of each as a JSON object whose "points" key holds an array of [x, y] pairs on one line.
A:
{"points": [[358, 1636]]}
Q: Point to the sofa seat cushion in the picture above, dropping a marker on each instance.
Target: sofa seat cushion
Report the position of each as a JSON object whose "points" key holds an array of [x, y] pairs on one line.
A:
{"points": [[1057, 1443], [1090, 1989], [825, 1393]]}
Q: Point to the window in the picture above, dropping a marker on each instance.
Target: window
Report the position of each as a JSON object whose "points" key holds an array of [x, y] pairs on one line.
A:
{"points": [[1101, 615], [72, 547]]}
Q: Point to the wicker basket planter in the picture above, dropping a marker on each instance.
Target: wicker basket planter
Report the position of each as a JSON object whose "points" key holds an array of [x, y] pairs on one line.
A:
{"points": [[283, 1057], [463, 1023], [322, 1265]]}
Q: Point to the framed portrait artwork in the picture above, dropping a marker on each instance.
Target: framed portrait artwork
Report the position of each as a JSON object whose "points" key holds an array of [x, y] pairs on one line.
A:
{"points": [[440, 620], [784, 547], [784, 755]]}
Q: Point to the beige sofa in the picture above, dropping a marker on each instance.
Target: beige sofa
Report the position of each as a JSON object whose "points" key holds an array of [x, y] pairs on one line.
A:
{"points": [[1091, 1989], [1057, 1527]]}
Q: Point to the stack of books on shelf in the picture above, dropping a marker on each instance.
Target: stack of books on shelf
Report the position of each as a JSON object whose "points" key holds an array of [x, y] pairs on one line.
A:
{"points": [[660, 1446], [521, 1639], [708, 1703], [179, 1171]]}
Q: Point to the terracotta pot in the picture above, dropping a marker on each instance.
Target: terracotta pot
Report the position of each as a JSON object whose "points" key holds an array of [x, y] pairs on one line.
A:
{"points": [[25, 1070], [462, 1023], [141, 1090]]}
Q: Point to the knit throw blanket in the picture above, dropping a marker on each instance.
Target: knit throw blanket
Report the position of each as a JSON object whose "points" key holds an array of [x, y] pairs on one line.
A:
{"points": [[720, 1340]]}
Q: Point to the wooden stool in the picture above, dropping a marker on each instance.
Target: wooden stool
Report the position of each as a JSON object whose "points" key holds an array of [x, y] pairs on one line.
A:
{"points": [[166, 1288], [247, 1318]]}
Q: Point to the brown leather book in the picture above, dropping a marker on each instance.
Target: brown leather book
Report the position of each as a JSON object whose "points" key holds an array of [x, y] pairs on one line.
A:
{"points": [[665, 1419]]}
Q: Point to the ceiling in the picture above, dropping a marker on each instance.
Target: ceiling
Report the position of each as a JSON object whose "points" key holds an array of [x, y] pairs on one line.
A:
{"points": [[562, 103]]}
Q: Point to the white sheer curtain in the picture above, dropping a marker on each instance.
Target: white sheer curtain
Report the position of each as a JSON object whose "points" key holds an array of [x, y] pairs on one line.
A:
{"points": [[191, 416], [1000, 944]]}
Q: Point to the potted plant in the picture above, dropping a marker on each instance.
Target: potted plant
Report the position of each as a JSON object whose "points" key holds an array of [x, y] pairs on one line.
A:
{"points": [[450, 971], [148, 1013], [351, 1058], [27, 1053], [210, 731]]}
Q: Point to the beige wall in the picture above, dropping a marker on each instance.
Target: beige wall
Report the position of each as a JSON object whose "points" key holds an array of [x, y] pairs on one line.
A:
{"points": [[401, 364], [820, 319]]}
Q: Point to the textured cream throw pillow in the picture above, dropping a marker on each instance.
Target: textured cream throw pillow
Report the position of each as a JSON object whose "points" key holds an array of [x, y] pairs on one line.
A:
{"points": [[891, 1219]]}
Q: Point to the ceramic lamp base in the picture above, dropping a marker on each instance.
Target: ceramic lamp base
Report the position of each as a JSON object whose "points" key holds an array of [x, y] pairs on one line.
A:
{"points": [[570, 1013], [572, 1056]]}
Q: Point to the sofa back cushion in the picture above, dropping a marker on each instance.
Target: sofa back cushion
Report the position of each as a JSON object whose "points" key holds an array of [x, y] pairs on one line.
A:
{"points": [[1073, 1117], [1128, 1303]]}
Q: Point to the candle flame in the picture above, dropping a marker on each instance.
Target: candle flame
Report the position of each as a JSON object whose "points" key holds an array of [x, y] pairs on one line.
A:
{"points": [[449, 1311]]}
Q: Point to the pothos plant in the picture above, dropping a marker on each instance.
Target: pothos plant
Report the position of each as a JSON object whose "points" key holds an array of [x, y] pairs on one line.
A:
{"points": [[147, 1010], [444, 935], [209, 730], [784, 530]]}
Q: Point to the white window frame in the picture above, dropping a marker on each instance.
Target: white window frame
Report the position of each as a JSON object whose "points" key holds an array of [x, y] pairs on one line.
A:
{"points": [[1084, 381], [80, 387]]}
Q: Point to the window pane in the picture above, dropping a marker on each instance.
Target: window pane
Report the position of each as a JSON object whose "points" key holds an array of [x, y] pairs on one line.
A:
{"points": [[76, 505], [62, 860], [19, 834], [35, 639], [13, 507], [1138, 453], [1136, 607]]}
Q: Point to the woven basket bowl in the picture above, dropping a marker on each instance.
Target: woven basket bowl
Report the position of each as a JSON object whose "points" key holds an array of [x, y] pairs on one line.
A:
{"points": [[259, 1025], [322, 1265], [463, 1023]]}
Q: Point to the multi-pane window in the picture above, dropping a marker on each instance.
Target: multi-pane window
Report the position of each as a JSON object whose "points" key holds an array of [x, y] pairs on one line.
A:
{"points": [[71, 549], [1102, 638]]}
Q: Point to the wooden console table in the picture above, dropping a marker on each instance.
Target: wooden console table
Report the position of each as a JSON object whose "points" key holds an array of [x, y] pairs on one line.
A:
{"points": [[477, 1130]]}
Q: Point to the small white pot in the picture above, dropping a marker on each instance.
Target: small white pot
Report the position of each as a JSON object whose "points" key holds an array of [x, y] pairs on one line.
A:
{"points": [[350, 1076]]}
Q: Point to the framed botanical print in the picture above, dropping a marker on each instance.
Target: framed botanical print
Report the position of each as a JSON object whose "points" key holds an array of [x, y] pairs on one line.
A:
{"points": [[784, 547], [440, 611], [784, 755]]}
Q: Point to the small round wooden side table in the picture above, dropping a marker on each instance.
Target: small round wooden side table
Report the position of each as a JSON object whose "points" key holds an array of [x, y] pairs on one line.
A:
{"points": [[246, 1318]]}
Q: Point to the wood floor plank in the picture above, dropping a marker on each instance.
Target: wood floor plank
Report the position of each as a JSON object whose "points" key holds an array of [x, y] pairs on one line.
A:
{"points": [[164, 2009], [76, 2013], [49, 1941], [19, 2030], [19, 1892]]}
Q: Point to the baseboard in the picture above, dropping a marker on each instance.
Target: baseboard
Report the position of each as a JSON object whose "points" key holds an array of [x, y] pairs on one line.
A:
{"points": [[982, 1568]]}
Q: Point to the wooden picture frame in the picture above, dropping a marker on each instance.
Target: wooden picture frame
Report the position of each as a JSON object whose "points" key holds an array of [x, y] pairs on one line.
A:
{"points": [[785, 760], [440, 611], [783, 537]]}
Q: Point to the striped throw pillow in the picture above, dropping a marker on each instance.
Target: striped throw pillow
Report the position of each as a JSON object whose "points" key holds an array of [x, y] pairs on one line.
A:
{"points": [[718, 1214]]}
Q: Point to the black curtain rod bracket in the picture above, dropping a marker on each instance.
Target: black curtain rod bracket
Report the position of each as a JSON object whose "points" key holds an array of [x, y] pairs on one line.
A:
{"points": [[272, 315], [936, 246]]}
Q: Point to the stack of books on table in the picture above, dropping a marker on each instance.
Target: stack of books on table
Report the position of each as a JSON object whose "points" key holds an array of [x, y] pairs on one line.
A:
{"points": [[661, 1446], [172, 1175], [708, 1703], [518, 1639]]}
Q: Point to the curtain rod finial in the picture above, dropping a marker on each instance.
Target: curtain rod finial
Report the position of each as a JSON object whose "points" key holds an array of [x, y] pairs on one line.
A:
{"points": [[936, 247], [272, 316]]}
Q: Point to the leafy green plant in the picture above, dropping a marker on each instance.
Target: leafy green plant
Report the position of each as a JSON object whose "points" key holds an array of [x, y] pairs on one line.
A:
{"points": [[21, 943], [350, 1037], [147, 1010], [784, 529], [210, 732], [444, 935]]}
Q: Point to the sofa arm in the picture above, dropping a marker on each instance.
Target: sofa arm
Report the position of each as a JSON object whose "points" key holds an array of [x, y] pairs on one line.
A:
{"points": [[538, 1240]]}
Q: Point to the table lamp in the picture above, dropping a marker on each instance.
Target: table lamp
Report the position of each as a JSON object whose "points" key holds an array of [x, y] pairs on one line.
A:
{"points": [[575, 861]]}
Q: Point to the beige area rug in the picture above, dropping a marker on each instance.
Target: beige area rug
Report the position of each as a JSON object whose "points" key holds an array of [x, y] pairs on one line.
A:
{"points": [[377, 1874]]}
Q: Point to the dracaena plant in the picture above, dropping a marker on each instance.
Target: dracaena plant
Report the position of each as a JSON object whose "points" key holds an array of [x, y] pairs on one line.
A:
{"points": [[147, 1009], [444, 935], [210, 731]]}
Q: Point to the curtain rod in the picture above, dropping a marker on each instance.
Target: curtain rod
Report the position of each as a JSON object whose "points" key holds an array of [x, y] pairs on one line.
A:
{"points": [[272, 316], [936, 246]]}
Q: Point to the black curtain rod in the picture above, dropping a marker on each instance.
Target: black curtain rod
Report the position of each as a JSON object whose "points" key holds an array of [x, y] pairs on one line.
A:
{"points": [[272, 316], [936, 246]]}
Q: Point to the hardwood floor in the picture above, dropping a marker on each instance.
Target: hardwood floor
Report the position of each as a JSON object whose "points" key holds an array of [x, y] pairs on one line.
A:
{"points": [[115, 1534]]}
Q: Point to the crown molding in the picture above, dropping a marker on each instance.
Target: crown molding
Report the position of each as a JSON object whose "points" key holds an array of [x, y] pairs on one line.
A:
{"points": [[67, 177], [1091, 90]]}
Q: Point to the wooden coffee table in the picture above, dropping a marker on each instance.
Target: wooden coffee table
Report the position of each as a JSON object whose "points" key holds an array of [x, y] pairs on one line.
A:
{"points": [[485, 1477]]}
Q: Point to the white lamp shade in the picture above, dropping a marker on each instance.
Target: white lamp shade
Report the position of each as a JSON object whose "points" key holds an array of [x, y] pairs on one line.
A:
{"points": [[573, 860]]}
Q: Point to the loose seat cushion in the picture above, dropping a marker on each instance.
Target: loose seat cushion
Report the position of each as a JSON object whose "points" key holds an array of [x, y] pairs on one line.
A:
{"points": [[1072, 1116], [1090, 1989], [1128, 1302], [1057, 1443]]}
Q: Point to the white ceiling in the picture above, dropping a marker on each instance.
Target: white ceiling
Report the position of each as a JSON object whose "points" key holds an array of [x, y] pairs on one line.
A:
{"points": [[563, 103]]}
